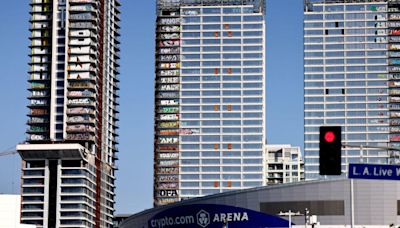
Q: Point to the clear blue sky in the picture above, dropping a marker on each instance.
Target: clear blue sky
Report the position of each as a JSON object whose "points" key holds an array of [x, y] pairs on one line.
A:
{"points": [[134, 178]]}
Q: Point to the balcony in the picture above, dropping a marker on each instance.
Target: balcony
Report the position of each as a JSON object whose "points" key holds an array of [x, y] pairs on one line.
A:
{"points": [[168, 36], [169, 29], [40, 26], [168, 58], [80, 111], [394, 122], [81, 102], [395, 138], [81, 85], [34, 137], [79, 51], [80, 137], [169, 21], [40, 2], [83, 94], [37, 86], [83, 25], [394, 107], [37, 129], [394, 99], [394, 129], [81, 67], [38, 51], [41, 9], [82, 42], [82, 17], [39, 60], [82, 33], [82, 77], [38, 105], [39, 34], [40, 18], [394, 84], [81, 59], [82, 1], [39, 69], [37, 120], [38, 112], [167, 185], [82, 8], [81, 120], [38, 94]]}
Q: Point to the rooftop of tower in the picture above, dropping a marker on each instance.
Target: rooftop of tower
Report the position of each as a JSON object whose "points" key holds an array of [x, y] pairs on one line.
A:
{"points": [[308, 3], [346, 1], [259, 5]]}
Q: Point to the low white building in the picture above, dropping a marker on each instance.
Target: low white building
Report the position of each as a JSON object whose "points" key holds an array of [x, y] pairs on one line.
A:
{"points": [[10, 212], [283, 164]]}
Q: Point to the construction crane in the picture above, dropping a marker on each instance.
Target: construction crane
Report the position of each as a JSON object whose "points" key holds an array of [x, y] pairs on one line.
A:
{"points": [[6, 153]]}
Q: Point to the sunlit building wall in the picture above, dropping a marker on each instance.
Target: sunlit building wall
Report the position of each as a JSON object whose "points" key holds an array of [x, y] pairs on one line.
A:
{"points": [[210, 103], [351, 78]]}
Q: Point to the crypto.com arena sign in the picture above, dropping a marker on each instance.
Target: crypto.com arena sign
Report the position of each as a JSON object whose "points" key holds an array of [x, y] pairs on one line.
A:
{"points": [[213, 216]]}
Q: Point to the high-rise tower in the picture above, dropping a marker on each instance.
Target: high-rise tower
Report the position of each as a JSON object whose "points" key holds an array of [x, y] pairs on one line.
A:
{"points": [[351, 77], [209, 89], [69, 156]]}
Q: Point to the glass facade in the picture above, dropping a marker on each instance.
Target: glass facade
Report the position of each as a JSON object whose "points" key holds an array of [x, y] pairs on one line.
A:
{"points": [[217, 129], [347, 76]]}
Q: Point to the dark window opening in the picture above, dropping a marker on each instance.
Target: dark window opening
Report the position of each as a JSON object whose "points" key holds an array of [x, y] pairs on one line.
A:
{"points": [[61, 49], [61, 57], [52, 193], [71, 163], [35, 164], [60, 83], [322, 207]]}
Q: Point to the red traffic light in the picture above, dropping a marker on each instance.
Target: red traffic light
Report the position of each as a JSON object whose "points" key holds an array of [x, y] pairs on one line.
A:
{"points": [[329, 136]]}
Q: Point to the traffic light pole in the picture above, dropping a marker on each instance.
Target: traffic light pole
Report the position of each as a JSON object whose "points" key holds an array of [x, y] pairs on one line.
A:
{"points": [[373, 147]]}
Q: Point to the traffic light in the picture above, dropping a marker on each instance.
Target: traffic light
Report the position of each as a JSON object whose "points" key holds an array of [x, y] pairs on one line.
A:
{"points": [[330, 150]]}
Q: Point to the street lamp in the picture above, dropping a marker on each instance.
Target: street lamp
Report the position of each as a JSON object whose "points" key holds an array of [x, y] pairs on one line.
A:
{"points": [[290, 214]]}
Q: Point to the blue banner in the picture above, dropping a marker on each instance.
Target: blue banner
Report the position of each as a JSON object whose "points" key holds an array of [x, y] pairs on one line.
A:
{"points": [[214, 216], [374, 171]]}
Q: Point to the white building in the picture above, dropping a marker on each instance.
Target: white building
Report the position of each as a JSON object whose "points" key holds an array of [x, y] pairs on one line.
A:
{"points": [[10, 212], [210, 104], [351, 78], [283, 164]]}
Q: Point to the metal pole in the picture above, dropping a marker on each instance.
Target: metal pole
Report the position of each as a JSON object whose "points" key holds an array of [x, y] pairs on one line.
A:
{"points": [[290, 219], [352, 203]]}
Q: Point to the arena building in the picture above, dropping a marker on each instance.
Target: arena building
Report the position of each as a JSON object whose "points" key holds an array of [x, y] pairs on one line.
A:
{"points": [[327, 203]]}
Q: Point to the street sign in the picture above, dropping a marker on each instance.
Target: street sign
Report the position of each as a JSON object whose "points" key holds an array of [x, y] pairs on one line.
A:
{"points": [[374, 171]]}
